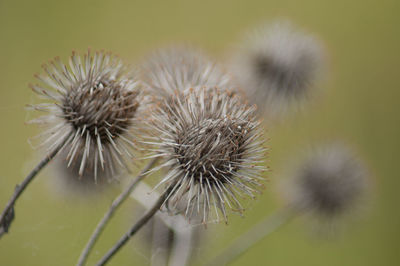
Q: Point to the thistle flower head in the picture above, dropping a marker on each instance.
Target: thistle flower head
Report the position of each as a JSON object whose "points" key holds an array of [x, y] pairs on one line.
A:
{"points": [[328, 183], [213, 147], [92, 103], [181, 68], [277, 66]]}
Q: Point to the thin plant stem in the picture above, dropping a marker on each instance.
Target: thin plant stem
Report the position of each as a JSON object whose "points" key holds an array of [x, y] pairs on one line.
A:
{"points": [[244, 242], [109, 214], [146, 196], [135, 228], [182, 247], [8, 214], [161, 243]]}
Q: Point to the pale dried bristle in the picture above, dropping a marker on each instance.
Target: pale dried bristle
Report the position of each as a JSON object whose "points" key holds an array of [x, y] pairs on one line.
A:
{"points": [[213, 149], [92, 103]]}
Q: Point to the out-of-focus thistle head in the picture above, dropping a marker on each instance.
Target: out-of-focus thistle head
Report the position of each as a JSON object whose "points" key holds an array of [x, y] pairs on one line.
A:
{"points": [[329, 182], [179, 68], [213, 148], [92, 104], [277, 65]]}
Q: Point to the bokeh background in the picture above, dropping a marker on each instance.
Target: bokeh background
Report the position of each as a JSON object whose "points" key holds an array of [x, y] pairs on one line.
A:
{"points": [[360, 105]]}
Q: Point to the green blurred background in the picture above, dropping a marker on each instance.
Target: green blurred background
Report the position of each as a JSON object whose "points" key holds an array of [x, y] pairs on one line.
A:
{"points": [[360, 105]]}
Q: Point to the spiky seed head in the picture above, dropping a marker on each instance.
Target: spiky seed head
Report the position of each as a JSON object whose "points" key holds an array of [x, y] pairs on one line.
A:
{"points": [[179, 68], [213, 148], [277, 66], [329, 182], [92, 103]]}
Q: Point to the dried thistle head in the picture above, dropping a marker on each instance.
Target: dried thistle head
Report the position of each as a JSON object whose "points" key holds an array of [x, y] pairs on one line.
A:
{"points": [[92, 103], [212, 147], [179, 68], [328, 183], [277, 66]]}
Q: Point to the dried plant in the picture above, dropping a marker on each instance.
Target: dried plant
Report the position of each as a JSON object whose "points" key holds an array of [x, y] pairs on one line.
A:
{"points": [[212, 146], [188, 113], [94, 102], [91, 106]]}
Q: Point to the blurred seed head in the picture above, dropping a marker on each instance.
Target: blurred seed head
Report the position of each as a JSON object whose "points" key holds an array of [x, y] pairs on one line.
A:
{"points": [[277, 65], [329, 183], [213, 147], [179, 68], [93, 104]]}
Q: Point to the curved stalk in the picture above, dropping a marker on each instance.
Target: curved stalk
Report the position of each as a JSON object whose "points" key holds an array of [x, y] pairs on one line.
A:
{"points": [[135, 228], [8, 214]]}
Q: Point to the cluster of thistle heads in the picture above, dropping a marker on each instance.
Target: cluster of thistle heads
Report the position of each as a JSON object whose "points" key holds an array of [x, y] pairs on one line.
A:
{"points": [[202, 119]]}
